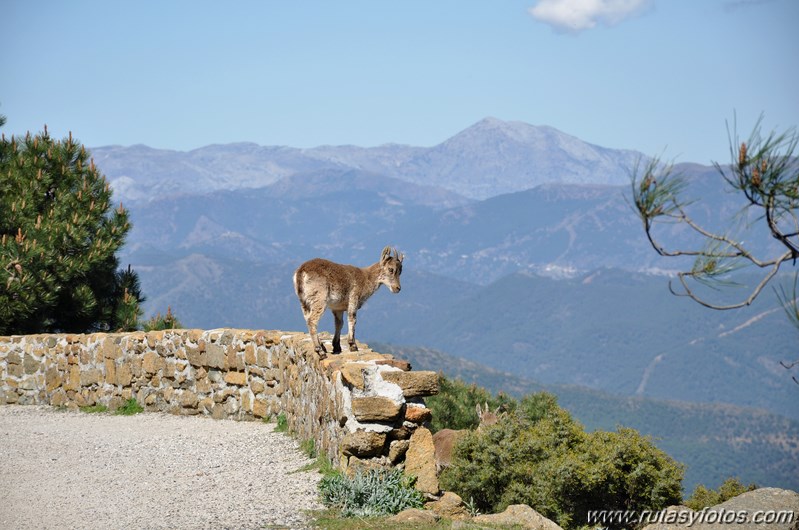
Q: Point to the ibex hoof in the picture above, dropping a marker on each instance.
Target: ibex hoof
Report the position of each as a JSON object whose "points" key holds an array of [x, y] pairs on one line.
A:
{"points": [[336, 350], [353, 347]]}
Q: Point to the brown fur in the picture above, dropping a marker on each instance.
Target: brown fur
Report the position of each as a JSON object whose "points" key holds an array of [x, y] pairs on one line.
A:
{"points": [[444, 442], [445, 439], [320, 284]]}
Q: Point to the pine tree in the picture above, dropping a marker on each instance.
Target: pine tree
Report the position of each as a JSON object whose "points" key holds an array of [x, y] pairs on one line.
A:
{"points": [[58, 239]]}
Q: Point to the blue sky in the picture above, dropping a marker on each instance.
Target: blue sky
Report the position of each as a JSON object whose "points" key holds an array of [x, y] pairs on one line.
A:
{"points": [[659, 76]]}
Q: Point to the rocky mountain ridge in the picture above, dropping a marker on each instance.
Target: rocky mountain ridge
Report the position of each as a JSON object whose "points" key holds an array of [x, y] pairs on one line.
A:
{"points": [[487, 159]]}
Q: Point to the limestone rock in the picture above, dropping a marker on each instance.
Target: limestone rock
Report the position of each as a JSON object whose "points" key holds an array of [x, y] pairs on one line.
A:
{"points": [[124, 375], [403, 432], [90, 377], [236, 378], [215, 356], [13, 358], [397, 450], [405, 366], [518, 516], [376, 408], [52, 379], [363, 443], [417, 414], [30, 364], [335, 362], [111, 349], [195, 356], [414, 516], [413, 384], [450, 505], [150, 362], [356, 465], [352, 374], [259, 408], [420, 461]]}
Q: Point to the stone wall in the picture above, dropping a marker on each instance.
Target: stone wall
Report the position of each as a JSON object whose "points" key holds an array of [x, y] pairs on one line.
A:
{"points": [[361, 408]]}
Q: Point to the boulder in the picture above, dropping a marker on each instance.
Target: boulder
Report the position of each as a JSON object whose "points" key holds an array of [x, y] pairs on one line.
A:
{"points": [[397, 450], [420, 461], [450, 505], [363, 443], [518, 516], [355, 465]]}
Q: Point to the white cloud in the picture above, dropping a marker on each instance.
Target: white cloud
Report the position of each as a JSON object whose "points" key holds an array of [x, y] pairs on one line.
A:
{"points": [[579, 15]]}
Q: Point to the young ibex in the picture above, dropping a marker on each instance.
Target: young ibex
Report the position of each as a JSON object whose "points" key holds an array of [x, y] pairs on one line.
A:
{"points": [[445, 439], [320, 283]]}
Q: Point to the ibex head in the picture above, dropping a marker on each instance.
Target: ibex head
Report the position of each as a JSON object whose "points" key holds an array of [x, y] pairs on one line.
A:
{"points": [[487, 417], [390, 269]]}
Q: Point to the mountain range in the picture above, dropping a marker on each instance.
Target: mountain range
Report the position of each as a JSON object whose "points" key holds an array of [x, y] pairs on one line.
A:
{"points": [[490, 158]]}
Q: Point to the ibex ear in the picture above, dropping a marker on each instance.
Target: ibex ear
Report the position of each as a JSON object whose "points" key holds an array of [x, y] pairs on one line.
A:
{"points": [[385, 255]]}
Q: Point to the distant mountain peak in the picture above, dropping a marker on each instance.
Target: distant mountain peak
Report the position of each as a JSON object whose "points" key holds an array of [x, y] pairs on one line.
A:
{"points": [[492, 131], [489, 158]]}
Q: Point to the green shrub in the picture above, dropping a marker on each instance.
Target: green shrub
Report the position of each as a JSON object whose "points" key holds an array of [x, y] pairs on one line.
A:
{"points": [[703, 497], [130, 408], [160, 322], [371, 494], [282, 423], [454, 405], [542, 457], [534, 407], [309, 448]]}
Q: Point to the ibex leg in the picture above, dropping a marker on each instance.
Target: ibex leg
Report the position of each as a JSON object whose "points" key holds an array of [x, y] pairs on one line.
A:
{"points": [[312, 317], [351, 330], [339, 317]]}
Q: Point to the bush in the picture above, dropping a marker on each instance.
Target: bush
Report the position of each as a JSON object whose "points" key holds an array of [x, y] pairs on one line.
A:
{"points": [[703, 497], [371, 494], [158, 322], [282, 423], [130, 408], [542, 457]]}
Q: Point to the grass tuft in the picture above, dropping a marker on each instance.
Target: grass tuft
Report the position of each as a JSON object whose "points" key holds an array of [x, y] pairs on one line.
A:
{"points": [[282, 423], [130, 408]]}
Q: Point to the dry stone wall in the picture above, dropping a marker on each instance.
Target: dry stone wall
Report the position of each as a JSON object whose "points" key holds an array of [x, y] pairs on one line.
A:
{"points": [[360, 408]]}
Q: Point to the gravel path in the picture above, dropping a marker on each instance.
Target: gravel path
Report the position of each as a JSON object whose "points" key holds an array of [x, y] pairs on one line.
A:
{"points": [[78, 470]]}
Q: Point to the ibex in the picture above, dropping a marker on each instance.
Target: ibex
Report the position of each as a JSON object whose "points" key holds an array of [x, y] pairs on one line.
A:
{"points": [[445, 439], [320, 283]]}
